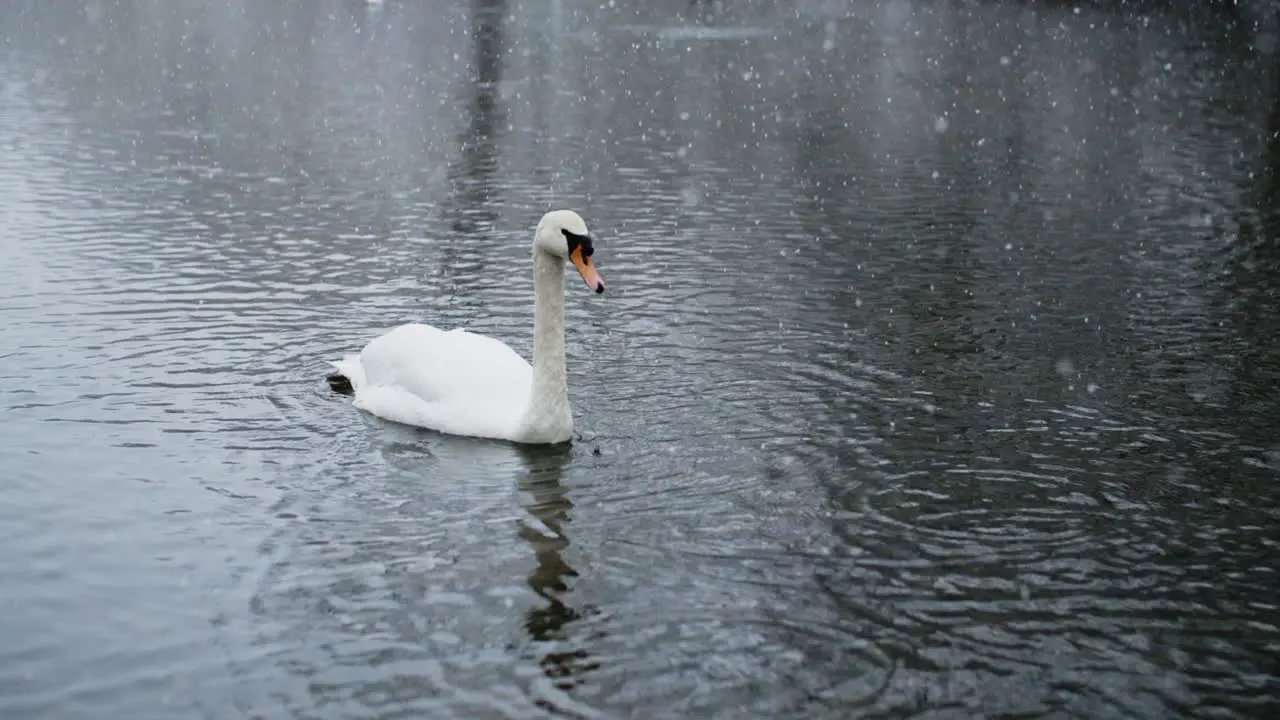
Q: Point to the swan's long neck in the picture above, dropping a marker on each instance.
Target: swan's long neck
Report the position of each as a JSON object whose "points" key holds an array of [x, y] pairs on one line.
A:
{"points": [[548, 417]]}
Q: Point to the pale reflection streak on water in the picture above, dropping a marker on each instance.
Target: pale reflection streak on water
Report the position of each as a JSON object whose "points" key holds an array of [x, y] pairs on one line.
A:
{"points": [[891, 413]]}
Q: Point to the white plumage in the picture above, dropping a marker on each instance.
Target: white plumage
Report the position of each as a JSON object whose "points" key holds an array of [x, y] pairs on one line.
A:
{"points": [[463, 383]]}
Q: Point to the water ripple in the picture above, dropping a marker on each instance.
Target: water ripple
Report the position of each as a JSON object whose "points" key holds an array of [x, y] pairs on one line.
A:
{"points": [[932, 377]]}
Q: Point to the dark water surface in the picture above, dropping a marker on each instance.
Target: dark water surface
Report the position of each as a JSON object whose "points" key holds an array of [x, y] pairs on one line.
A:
{"points": [[938, 374]]}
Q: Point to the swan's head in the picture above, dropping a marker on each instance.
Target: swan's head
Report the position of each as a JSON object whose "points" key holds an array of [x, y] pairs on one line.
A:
{"points": [[563, 234]]}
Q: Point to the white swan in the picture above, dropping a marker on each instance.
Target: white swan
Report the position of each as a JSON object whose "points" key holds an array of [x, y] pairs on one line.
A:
{"points": [[462, 383]]}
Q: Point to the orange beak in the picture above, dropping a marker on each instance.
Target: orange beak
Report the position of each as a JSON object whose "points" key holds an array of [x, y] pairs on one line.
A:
{"points": [[587, 270]]}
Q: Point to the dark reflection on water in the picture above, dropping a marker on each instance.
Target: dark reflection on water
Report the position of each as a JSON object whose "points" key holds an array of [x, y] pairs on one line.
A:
{"points": [[475, 175], [938, 372]]}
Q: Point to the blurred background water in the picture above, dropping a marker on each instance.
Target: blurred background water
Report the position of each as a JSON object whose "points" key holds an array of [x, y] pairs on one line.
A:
{"points": [[937, 376]]}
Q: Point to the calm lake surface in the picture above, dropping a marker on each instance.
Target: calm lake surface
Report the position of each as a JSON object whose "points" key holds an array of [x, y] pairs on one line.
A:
{"points": [[937, 376]]}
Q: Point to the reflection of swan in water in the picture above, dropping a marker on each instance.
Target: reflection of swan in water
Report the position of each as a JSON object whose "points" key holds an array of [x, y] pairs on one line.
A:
{"points": [[538, 470], [546, 501]]}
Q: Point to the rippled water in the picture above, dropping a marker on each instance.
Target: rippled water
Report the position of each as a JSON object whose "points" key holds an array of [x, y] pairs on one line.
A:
{"points": [[937, 374]]}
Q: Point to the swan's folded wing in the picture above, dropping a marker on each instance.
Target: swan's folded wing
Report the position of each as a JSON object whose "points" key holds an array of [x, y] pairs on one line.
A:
{"points": [[437, 366]]}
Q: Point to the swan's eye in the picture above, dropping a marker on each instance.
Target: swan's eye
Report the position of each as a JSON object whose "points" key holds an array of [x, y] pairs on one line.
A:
{"points": [[576, 241]]}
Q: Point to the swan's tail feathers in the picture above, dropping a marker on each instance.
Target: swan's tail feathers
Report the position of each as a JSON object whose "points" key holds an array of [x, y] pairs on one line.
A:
{"points": [[340, 384], [349, 376]]}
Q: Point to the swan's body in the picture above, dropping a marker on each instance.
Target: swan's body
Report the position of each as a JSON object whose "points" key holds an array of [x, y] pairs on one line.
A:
{"points": [[462, 383], [454, 381]]}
